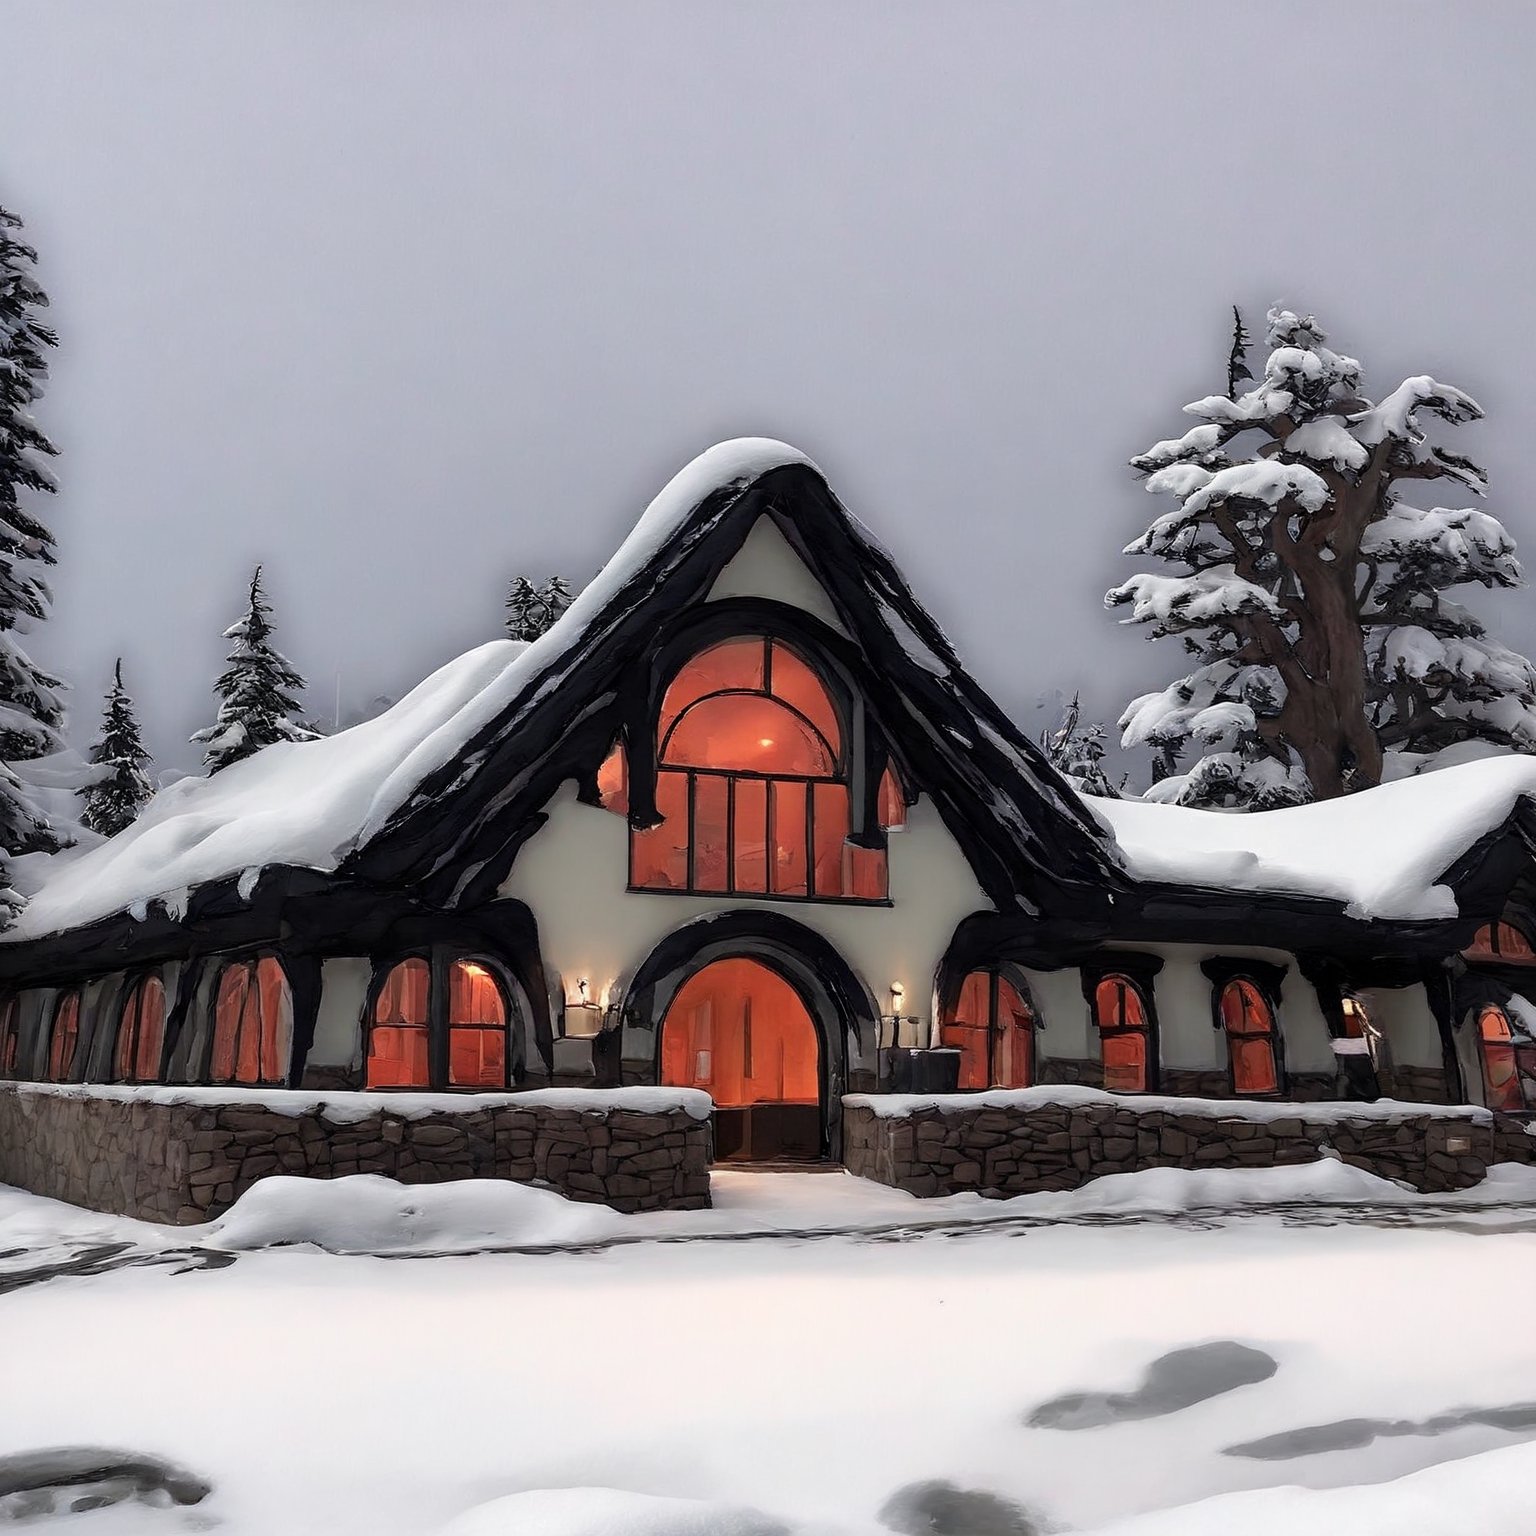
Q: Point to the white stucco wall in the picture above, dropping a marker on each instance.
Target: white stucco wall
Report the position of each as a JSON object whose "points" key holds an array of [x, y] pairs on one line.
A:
{"points": [[765, 566], [338, 1020], [573, 872], [1403, 1016], [1066, 1032]]}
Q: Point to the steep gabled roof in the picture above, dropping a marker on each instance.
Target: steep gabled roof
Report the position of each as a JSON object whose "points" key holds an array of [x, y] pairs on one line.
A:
{"points": [[1027, 835], [437, 794]]}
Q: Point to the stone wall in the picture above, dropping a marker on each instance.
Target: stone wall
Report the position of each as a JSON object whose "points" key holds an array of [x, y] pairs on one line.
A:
{"points": [[184, 1155], [942, 1146]]}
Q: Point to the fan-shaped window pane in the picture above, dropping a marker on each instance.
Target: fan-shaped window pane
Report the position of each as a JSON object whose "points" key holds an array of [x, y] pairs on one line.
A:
{"points": [[738, 665], [747, 733], [798, 685]]}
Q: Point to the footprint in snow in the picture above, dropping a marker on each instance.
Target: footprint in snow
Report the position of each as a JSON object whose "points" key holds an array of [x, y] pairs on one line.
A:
{"points": [[1174, 1381]]}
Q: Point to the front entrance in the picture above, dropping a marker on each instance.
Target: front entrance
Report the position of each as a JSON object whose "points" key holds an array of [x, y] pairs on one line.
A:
{"points": [[742, 1033]]}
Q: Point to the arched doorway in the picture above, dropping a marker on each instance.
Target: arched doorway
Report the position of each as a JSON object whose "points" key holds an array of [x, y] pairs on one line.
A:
{"points": [[740, 1032]]}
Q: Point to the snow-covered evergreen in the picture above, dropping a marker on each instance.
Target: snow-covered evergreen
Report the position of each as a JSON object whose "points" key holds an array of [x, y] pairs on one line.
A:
{"points": [[31, 712], [120, 788], [257, 691], [554, 599], [1076, 747], [1310, 597], [532, 610], [522, 618]]}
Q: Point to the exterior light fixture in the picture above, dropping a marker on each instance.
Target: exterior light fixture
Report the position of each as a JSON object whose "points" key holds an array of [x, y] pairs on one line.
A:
{"points": [[581, 1018], [896, 1018]]}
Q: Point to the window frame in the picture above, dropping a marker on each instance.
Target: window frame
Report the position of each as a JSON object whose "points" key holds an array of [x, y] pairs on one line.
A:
{"points": [[998, 974], [842, 776], [1508, 1044], [440, 962], [1139, 969], [1270, 1034], [252, 963], [132, 1001]]}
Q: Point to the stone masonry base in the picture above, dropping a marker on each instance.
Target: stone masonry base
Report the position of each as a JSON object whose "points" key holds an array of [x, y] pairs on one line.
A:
{"points": [[185, 1158], [942, 1149]]}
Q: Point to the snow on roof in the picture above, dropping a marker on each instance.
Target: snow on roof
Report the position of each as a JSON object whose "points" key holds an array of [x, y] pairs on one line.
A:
{"points": [[312, 803], [1379, 852]]}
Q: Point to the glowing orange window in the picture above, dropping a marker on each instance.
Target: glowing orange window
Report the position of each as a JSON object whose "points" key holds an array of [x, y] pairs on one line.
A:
{"points": [[140, 1032], [1501, 1072], [477, 1028], [63, 1038], [1503, 943], [10, 1037], [398, 1055], [992, 1025], [752, 785], [1120, 1012], [252, 1023], [1250, 1025]]}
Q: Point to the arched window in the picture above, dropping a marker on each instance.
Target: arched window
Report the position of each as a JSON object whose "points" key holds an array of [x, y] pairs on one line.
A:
{"points": [[1501, 1070], [752, 784], [1120, 1012], [398, 1056], [477, 1028], [1502, 943], [140, 1031], [64, 1037], [1250, 1025], [475, 1012], [10, 1036], [992, 1025], [252, 1023]]}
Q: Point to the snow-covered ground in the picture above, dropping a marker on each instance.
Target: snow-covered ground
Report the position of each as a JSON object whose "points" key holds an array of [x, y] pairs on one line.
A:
{"points": [[779, 1378]]}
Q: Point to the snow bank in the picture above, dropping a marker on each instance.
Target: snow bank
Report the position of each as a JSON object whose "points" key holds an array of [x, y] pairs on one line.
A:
{"points": [[1380, 852], [312, 803], [609, 1512], [347, 1108], [368, 1213], [890, 1105], [1485, 1495]]}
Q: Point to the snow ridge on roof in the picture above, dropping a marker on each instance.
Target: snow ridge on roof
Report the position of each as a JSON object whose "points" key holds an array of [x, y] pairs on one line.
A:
{"points": [[310, 804], [1379, 852]]}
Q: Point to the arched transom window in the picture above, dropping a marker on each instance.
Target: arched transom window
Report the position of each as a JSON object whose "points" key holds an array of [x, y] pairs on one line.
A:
{"points": [[140, 1031], [1249, 1022], [474, 1012], [992, 1025], [752, 784], [1123, 1020], [1502, 943], [252, 1023]]}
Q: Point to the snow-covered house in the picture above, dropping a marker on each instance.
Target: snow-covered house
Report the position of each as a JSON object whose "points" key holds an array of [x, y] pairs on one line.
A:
{"points": [[741, 821]]}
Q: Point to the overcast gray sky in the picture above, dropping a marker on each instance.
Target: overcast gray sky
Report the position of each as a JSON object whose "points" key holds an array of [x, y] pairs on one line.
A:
{"points": [[403, 298]]}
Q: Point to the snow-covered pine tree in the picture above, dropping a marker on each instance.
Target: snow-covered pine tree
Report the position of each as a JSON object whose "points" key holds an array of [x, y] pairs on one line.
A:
{"points": [[522, 618], [554, 599], [257, 691], [114, 797], [1310, 597], [1076, 748], [31, 713]]}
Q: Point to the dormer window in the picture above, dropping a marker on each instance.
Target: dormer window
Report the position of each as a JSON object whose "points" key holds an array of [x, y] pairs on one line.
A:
{"points": [[752, 784]]}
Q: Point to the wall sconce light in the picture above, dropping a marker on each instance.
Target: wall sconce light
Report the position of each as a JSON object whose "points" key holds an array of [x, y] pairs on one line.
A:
{"points": [[581, 1018], [896, 1018]]}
